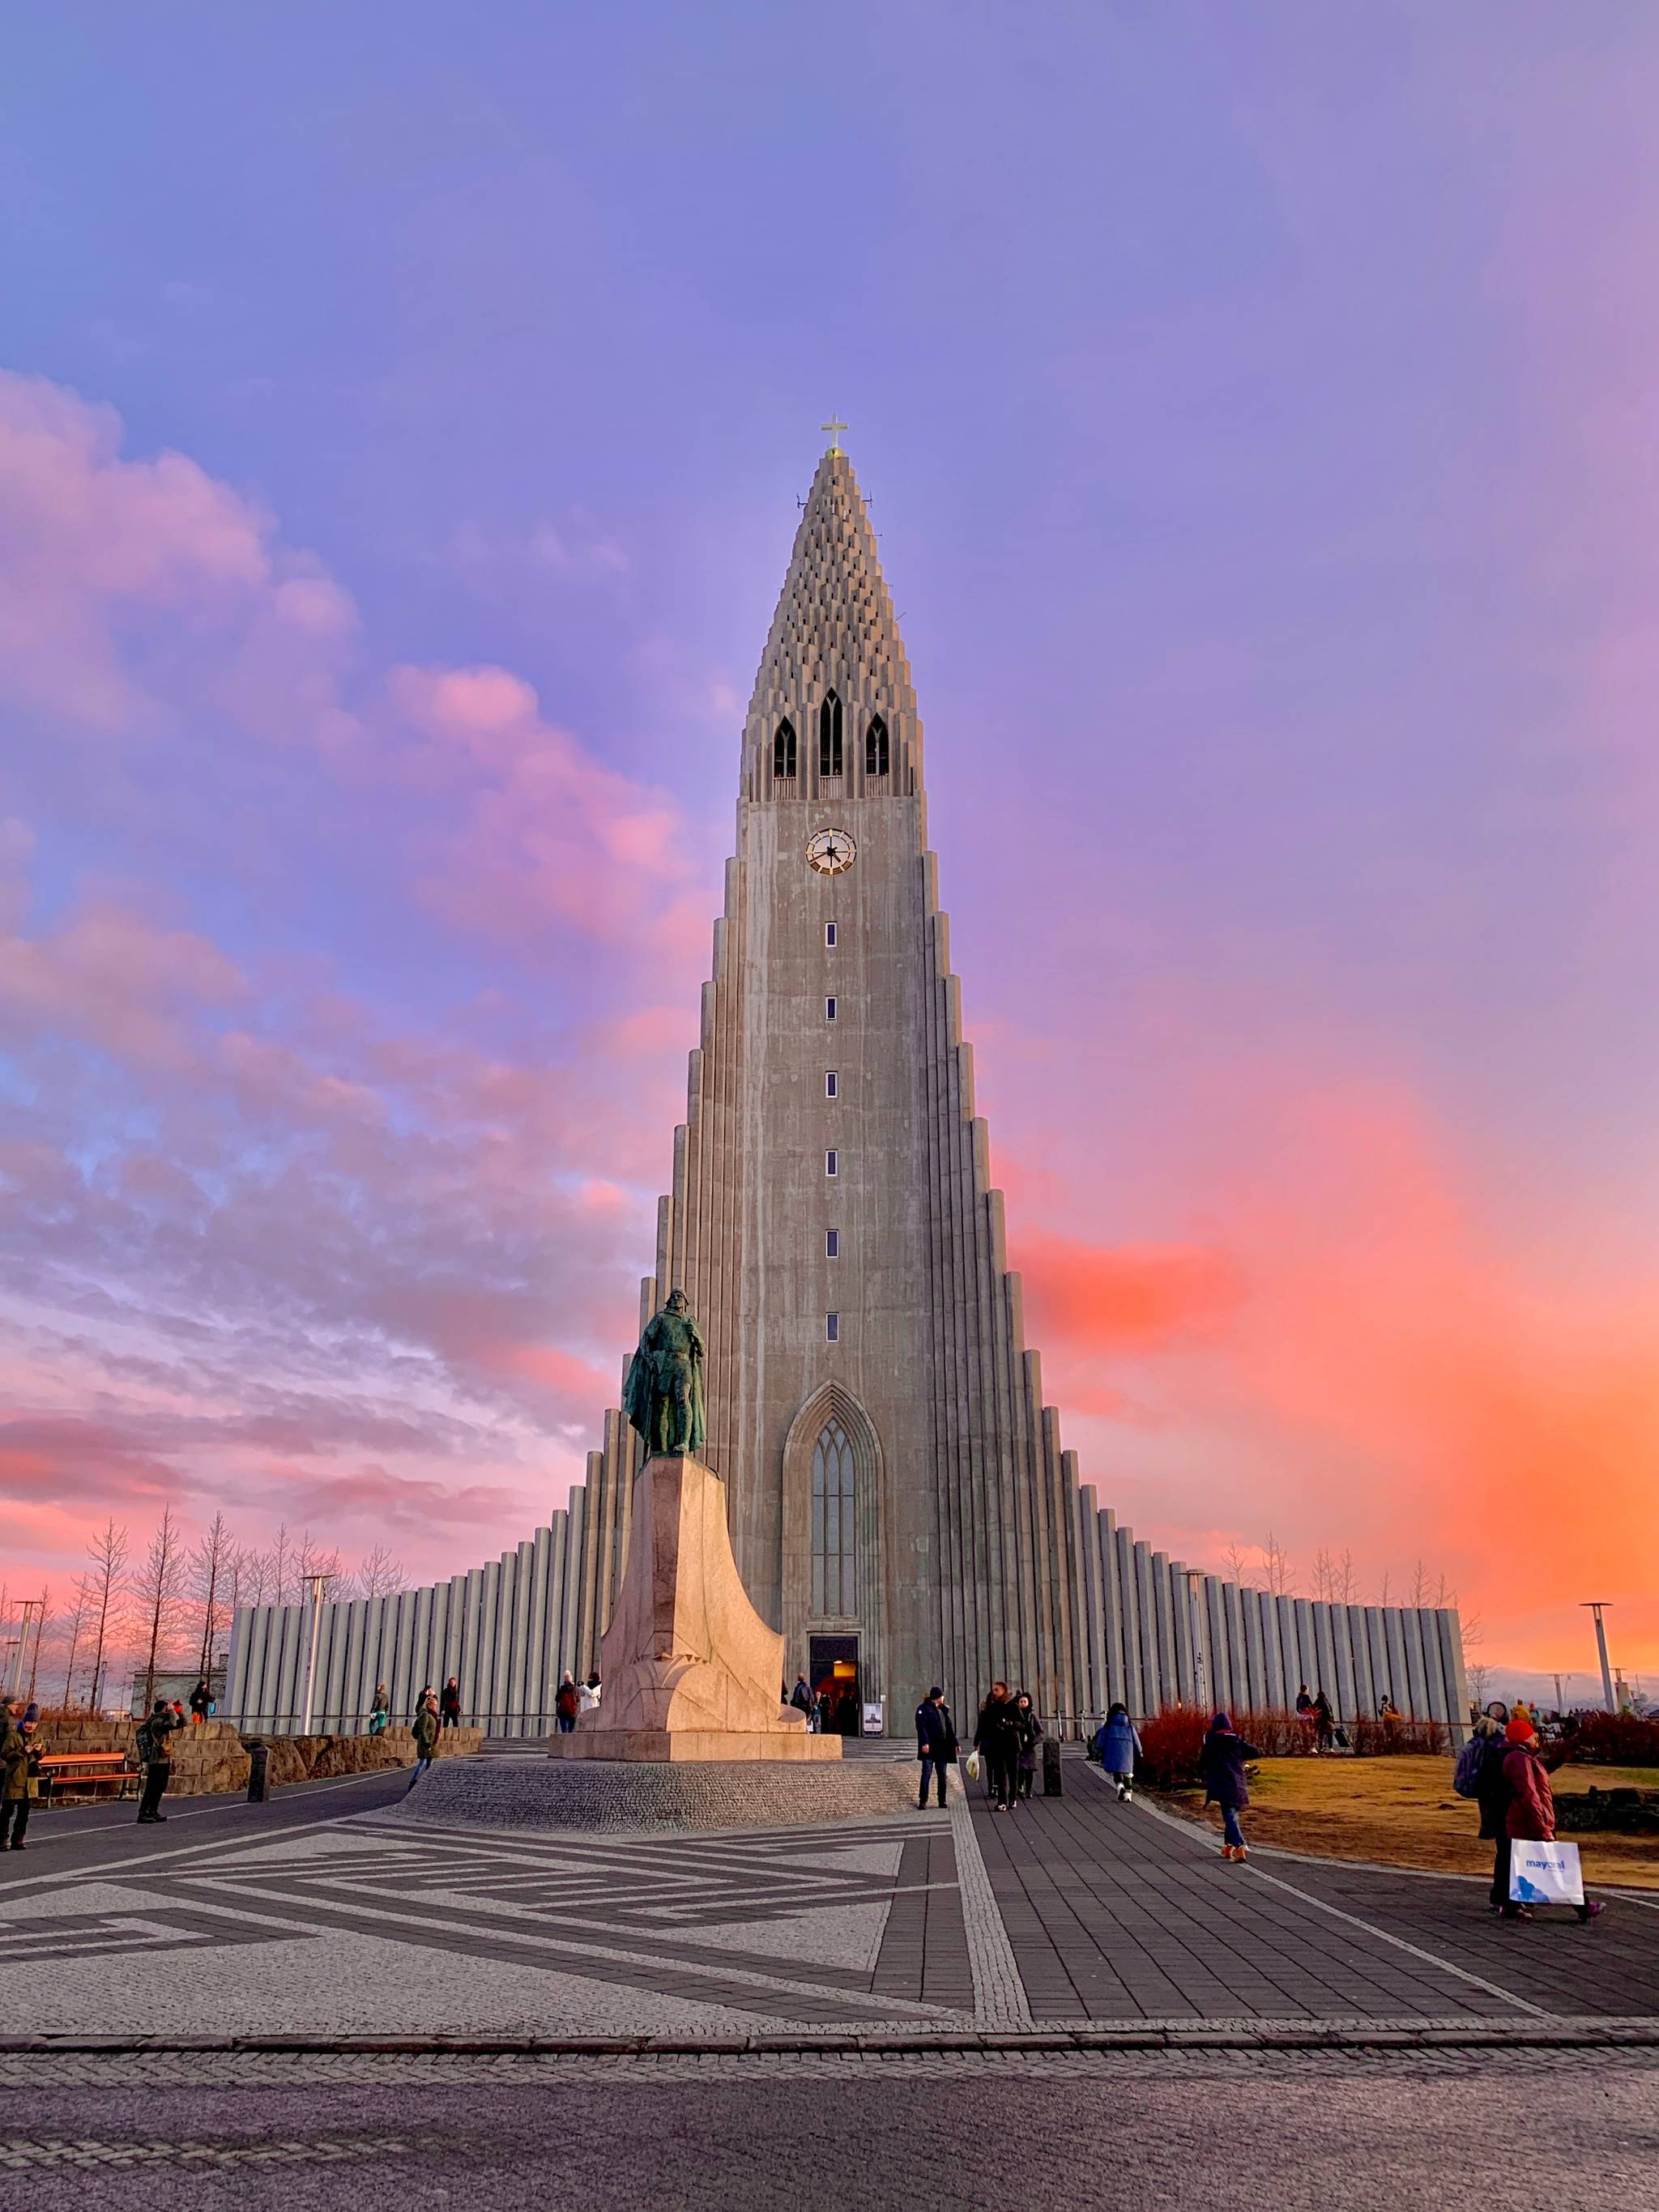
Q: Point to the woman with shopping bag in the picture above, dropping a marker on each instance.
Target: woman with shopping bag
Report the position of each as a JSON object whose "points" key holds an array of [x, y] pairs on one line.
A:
{"points": [[1531, 1819]]}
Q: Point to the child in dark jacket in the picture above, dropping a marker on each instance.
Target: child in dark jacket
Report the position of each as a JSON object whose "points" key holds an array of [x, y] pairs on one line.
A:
{"points": [[1221, 1761]]}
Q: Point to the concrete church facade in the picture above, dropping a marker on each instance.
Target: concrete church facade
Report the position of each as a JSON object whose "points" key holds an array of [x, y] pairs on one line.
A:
{"points": [[899, 1499]]}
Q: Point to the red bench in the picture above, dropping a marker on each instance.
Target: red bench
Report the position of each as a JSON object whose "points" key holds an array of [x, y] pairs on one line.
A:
{"points": [[62, 1772]]}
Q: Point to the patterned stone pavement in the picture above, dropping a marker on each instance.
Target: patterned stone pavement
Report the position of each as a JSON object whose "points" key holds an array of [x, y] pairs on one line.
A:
{"points": [[1075, 1912]]}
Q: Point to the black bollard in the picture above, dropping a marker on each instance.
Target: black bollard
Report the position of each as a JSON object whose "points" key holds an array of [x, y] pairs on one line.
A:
{"points": [[259, 1788], [1051, 1785]]}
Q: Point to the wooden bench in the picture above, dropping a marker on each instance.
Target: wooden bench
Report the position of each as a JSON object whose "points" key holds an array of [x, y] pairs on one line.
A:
{"points": [[64, 1771]]}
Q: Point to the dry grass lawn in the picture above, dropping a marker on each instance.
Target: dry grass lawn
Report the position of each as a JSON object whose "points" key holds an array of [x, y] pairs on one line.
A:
{"points": [[1403, 1811]]}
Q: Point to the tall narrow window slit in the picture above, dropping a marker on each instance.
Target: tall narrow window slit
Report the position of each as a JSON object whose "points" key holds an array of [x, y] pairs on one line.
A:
{"points": [[829, 735], [783, 750], [875, 747]]}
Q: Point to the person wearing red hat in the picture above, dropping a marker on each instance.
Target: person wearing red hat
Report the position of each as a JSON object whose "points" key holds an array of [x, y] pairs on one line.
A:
{"points": [[1531, 1815]]}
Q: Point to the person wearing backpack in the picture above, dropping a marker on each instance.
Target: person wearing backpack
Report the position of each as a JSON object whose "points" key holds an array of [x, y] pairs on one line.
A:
{"points": [[155, 1755], [566, 1703], [424, 1729]]}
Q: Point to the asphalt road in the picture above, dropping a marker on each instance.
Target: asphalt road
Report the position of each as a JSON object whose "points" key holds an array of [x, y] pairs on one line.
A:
{"points": [[78, 1838], [1287, 2131]]}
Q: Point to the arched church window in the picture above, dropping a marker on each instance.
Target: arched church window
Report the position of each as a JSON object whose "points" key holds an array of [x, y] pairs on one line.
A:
{"points": [[783, 750], [833, 1590], [875, 747], [829, 735]]}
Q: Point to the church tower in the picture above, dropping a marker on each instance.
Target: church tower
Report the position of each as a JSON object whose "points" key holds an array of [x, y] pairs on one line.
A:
{"points": [[900, 1505], [897, 1495]]}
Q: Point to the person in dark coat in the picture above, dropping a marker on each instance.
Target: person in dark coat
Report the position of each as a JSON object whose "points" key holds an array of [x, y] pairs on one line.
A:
{"points": [[1324, 1723], [1491, 1794], [201, 1701], [1030, 1734], [450, 1704], [801, 1696], [936, 1741], [1221, 1762], [997, 1739], [14, 1774], [424, 1728], [1118, 1743], [155, 1750]]}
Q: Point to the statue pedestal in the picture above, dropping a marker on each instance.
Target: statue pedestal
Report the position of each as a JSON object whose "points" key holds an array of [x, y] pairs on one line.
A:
{"points": [[688, 1670]]}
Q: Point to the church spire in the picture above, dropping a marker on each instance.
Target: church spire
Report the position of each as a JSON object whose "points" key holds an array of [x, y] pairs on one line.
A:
{"points": [[834, 632]]}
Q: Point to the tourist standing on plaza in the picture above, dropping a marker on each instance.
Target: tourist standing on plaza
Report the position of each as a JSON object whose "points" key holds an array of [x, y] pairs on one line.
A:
{"points": [[997, 1738], [588, 1696], [1531, 1814], [1221, 1761], [380, 1712], [424, 1728], [449, 1706], [1492, 1794], [936, 1741], [1119, 1745], [153, 1749], [801, 1696], [1324, 1723], [1030, 1734], [14, 1774], [201, 1704], [566, 1703]]}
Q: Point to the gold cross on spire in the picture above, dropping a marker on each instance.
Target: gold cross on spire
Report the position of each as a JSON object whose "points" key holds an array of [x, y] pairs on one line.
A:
{"points": [[835, 426]]}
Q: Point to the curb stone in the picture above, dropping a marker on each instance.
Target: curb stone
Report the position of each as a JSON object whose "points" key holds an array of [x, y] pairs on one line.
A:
{"points": [[1562, 2034]]}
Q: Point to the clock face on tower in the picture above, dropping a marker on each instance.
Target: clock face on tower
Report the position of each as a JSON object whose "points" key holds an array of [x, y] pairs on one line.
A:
{"points": [[830, 852]]}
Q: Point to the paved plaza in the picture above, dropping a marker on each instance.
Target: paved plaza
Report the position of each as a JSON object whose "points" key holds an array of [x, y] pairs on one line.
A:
{"points": [[345, 1913], [1083, 2002]]}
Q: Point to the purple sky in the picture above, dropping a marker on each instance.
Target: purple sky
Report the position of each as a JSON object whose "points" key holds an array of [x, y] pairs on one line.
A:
{"points": [[1258, 409]]}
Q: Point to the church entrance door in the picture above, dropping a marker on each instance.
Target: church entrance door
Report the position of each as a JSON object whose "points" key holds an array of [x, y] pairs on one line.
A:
{"points": [[832, 1668]]}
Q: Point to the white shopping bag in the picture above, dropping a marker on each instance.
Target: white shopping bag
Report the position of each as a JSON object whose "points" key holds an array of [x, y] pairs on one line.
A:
{"points": [[970, 1766], [1544, 1874]]}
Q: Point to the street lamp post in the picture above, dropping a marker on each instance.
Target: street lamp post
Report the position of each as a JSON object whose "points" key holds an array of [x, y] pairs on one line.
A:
{"points": [[318, 1584], [1196, 1615], [1597, 1606]]}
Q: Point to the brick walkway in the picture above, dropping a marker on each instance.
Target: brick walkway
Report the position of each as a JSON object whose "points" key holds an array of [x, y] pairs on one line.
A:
{"points": [[1117, 1914]]}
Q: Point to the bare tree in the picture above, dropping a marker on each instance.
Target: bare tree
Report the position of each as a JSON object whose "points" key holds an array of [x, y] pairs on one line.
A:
{"points": [[159, 1588], [310, 1558], [210, 1570], [1344, 1583], [280, 1561], [1324, 1576], [1480, 1680], [74, 1628], [109, 1554], [380, 1574], [40, 1627], [1383, 1587], [1275, 1566]]}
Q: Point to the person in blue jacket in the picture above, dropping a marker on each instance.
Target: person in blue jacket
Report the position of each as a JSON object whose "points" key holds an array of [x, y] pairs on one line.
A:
{"points": [[1118, 1742]]}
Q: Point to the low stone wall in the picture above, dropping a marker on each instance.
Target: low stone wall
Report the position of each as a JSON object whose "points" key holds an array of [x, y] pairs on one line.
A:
{"points": [[322, 1758], [210, 1757], [619, 1796]]}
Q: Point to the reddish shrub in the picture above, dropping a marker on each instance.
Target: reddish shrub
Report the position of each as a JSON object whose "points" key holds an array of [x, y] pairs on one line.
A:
{"points": [[1615, 1740], [1169, 1744], [1376, 1738]]}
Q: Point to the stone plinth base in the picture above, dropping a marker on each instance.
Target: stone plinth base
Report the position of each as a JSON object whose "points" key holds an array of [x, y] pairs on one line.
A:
{"points": [[662, 1796], [690, 1669], [672, 1744]]}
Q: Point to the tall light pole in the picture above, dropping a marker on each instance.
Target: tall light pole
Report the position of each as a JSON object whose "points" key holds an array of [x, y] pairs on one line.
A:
{"points": [[318, 1584], [1597, 1605], [1195, 1614]]}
